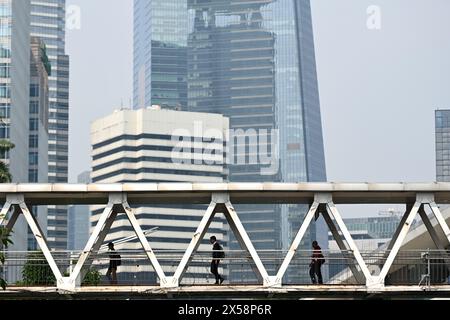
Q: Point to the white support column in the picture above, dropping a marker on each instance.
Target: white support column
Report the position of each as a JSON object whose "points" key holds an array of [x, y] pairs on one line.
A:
{"points": [[194, 244], [333, 211], [101, 238], [94, 240], [4, 212], [293, 249], [437, 242], [344, 249], [234, 220], [42, 242], [240, 240], [148, 250], [12, 220], [437, 213], [398, 243], [18, 202], [397, 231]]}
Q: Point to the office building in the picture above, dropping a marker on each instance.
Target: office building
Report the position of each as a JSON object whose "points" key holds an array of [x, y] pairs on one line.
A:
{"points": [[442, 145], [253, 62], [14, 96], [40, 70], [144, 146], [48, 22], [78, 224]]}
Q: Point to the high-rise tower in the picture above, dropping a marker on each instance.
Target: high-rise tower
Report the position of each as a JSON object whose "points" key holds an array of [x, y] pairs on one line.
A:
{"points": [[48, 23], [254, 62]]}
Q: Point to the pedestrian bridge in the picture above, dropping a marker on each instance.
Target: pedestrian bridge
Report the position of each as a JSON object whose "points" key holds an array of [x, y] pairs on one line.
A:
{"points": [[70, 270]]}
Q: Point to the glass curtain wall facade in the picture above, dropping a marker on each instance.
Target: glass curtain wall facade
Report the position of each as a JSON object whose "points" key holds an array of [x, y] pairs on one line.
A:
{"points": [[48, 23], [14, 104], [160, 53], [442, 145], [40, 69], [254, 62]]}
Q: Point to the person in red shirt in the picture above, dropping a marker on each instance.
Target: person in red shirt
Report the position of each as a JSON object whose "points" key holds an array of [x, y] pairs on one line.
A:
{"points": [[317, 259]]}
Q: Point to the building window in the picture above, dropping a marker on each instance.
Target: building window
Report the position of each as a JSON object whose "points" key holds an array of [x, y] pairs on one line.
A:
{"points": [[34, 124], [5, 110], [5, 91], [4, 131], [34, 141], [33, 158], [34, 107], [32, 175], [4, 70], [34, 90]]}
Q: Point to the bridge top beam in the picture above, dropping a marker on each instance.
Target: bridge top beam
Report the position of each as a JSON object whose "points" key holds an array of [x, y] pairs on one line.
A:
{"points": [[143, 193]]}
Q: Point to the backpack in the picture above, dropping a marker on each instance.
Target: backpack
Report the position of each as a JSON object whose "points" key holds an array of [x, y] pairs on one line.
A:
{"points": [[221, 253], [118, 259], [322, 259]]}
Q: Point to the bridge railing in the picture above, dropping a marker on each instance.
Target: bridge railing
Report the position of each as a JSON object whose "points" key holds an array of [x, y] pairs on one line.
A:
{"points": [[30, 269], [321, 199]]}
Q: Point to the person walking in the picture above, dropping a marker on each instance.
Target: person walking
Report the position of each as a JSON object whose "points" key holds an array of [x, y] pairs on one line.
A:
{"points": [[218, 254], [317, 260], [114, 262]]}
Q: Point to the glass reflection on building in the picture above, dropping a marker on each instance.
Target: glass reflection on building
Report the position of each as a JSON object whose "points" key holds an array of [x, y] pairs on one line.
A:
{"points": [[254, 62]]}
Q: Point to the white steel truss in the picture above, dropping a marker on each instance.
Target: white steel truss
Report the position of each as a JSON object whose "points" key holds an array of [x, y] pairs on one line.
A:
{"points": [[321, 200]]}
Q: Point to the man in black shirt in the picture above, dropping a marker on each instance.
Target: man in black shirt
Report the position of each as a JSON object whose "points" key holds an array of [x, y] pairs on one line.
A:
{"points": [[218, 253], [114, 262]]}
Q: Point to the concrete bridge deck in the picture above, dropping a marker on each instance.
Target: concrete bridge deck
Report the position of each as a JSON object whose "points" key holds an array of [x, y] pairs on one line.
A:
{"points": [[235, 291]]}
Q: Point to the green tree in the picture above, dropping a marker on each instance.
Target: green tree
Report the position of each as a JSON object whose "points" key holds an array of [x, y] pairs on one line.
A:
{"points": [[92, 278], [5, 146], [37, 271]]}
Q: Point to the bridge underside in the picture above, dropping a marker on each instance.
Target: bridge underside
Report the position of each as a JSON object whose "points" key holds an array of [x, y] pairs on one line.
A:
{"points": [[237, 292]]}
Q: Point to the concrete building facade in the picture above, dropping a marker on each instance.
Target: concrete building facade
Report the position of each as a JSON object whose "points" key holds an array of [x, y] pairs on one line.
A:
{"points": [[154, 145]]}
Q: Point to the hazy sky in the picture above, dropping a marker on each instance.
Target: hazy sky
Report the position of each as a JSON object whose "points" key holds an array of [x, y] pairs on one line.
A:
{"points": [[378, 88]]}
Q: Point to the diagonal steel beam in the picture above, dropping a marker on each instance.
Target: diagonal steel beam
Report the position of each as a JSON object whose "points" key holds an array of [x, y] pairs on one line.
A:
{"points": [[240, 240], [12, 220], [293, 249], [4, 213], [148, 249], [195, 243], [344, 249], [42, 242], [333, 211], [101, 238], [96, 239], [399, 241], [242, 236], [397, 232], [437, 213], [437, 242]]}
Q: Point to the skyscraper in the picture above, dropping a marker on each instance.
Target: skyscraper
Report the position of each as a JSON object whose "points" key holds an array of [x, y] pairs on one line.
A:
{"points": [[48, 23], [254, 62], [442, 145], [40, 70], [160, 53], [78, 220], [14, 96]]}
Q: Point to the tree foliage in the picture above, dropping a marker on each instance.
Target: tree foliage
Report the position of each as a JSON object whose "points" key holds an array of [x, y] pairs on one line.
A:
{"points": [[37, 271]]}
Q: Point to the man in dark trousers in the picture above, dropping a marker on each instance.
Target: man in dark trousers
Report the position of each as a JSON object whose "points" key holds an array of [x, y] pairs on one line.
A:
{"points": [[217, 255], [114, 262], [317, 259]]}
